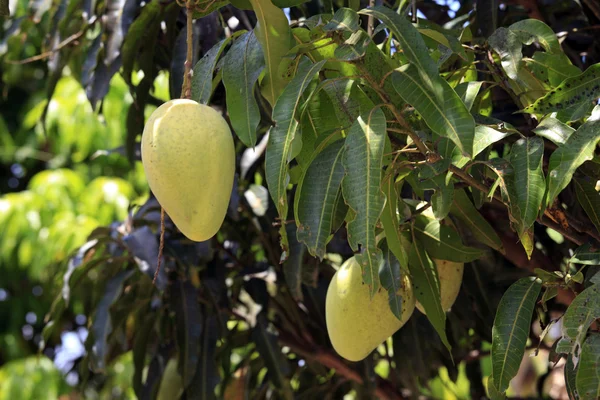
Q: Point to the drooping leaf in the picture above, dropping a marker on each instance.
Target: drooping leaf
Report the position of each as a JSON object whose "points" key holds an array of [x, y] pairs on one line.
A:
{"points": [[426, 286], [279, 148], [102, 322], [390, 275], [443, 242], [578, 148], [571, 92], [292, 267], [570, 377], [316, 196], [526, 158], [588, 371], [541, 32], [273, 32], [242, 66], [511, 329], [396, 242], [584, 309], [586, 255], [508, 44], [361, 186], [207, 376], [411, 41], [589, 198], [464, 210], [439, 105], [344, 19], [202, 81], [554, 130], [441, 200], [144, 330], [468, 92], [190, 325]]}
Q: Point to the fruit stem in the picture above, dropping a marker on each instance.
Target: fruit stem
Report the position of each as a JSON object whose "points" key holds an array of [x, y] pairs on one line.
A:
{"points": [[186, 89]]}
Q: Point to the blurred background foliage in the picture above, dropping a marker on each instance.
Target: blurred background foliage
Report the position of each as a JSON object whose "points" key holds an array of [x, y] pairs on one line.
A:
{"points": [[69, 182]]}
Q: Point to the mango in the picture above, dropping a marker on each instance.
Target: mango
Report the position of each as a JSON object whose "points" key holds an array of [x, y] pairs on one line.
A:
{"points": [[356, 323], [451, 275], [171, 384], [189, 159]]}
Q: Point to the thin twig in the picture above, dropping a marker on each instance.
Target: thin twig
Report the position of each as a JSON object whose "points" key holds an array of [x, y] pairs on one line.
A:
{"points": [[186, 89]]}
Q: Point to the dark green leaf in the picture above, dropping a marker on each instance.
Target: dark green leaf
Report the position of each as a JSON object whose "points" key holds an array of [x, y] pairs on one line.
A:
{"points": [[511, 329], [202, 81], [102, 324], [441, 200], [207, 376], [464, 210], [493, 391], [144, 330], [584, 309], [588, 371], [279, 148], [570, 377], [443, 242], [316, 196], [586, 255], [578, 148], [361, 187], [390, 276], [242, 66], [389, 218], [554, 68], [292, 267], [426, 286], [589, 198]]}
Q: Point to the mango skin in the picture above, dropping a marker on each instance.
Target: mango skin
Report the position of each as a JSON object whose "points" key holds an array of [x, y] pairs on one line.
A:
{"points": [[189, 159], [451, 276], [357, 324]]}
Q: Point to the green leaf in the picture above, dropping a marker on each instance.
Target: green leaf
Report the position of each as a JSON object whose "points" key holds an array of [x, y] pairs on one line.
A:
{"points": [[508, 44], [589, 198], [588, 372], [389, 218], [464, 210], [274, 34], [578, 148], [586, 255], [511, 329], [189, 321], [279, 147], [268, 348], [553, 69], [292, 267], [353, 48], [316, 198], [584, 310], [573, 91], [204, 7], [390, 276], [447, 40], [554, 130], [207, 372], [361, 186], [493, 391], [426, 286], [441, 200], [344, 19], [202, 81], [570, 377], [440, 107], [411, 42], [468, 91], [102, 322], [542, 33], [526, 157], [443, 242], [242, 66]]}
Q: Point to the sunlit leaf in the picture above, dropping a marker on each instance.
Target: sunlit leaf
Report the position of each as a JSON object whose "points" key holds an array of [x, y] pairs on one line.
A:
{"points": [[554, 130], [586, 255]]}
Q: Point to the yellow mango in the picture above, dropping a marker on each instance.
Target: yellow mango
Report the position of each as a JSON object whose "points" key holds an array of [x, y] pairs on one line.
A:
{"points": [[189, 160], [171, 384], [451, 275], [356, 323]]}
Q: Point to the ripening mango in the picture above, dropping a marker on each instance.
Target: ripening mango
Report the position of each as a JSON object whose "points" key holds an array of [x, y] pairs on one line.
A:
{"points": [[189, 160], [356, 323], [451, 275]]}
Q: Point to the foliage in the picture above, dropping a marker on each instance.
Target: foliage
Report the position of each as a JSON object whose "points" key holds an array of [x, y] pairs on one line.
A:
{"points": [[350, 121]]}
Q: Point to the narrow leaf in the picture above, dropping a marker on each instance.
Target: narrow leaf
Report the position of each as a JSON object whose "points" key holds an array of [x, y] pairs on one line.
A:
{"points": [[511, 329], [274, 34], [586, 255], [468, 92], [570, 377], [584, 310], [438, 104], [207, 376], [242, 66], [344, 19], [443, 242], [554, 130], [578, 148], [292, 267], [316, 194], [464, 210], [389, 218], [202, 81], [279, 148], [589, 198], [588, 372], [390, 276], [426, 286]]}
